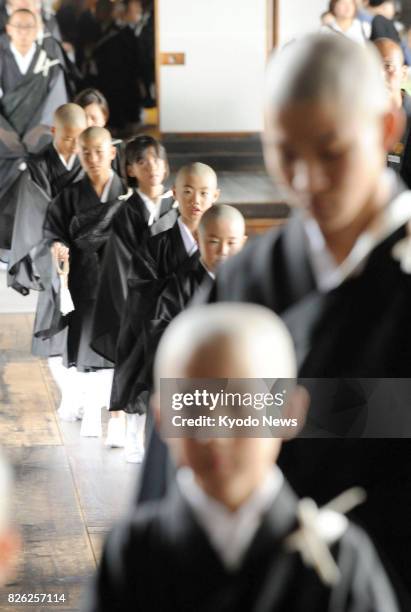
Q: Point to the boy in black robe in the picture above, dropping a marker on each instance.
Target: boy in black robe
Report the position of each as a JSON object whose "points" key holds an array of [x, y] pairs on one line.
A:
{"points": [[169, 253], [154, 301], [232, 535], [30, 265], [77, 224]]}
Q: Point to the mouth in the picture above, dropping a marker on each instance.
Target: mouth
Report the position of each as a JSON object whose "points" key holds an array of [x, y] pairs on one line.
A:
{"points": [[195, 210]]}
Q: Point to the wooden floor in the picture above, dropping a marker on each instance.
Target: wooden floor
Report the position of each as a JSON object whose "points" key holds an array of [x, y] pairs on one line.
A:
{"points": [[68, 489]]}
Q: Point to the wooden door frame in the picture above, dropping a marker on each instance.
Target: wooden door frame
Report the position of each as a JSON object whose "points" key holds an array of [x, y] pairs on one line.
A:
{"points": [[273, 11]]}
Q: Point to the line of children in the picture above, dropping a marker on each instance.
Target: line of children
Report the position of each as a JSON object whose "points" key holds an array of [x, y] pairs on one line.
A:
{"points": [[161, 283]]}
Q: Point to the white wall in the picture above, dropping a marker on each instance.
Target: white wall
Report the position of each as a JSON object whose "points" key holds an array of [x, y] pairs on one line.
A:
{"points": [[220, 87], [298, 17]]}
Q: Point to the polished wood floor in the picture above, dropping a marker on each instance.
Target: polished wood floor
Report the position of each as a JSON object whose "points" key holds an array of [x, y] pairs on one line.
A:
{"points": [[68, 489]]}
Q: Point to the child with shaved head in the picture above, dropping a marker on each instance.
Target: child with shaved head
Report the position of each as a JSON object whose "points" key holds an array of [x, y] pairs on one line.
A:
{"points": [[164, 273], [229, 536], [77, 224], [48, 172]]}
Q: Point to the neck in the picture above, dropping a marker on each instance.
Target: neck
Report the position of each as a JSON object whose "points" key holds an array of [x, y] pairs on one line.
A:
{"points": [[232, 495], [344, 23], [191, 224], [23, 51], [341, 242], [100, 182], [152, 191]]}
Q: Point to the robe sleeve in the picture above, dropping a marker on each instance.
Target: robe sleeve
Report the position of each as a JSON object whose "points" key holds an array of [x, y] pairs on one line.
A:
{"points": [[58, 218]]}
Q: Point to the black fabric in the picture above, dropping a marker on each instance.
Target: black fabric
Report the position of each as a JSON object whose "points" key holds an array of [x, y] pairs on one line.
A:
{"points": [[361, 329], [400, 158], [382, 27], [163, 542], [129, 227], [154, 298], [26, 107], [77, 218], [116, 61]]}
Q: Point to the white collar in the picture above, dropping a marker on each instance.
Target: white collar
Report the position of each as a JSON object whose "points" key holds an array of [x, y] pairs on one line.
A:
{"points": [[70, 163], [327, 273], [23, 61], [152, 207], [189, 241], [230, 533], [107, 187]]}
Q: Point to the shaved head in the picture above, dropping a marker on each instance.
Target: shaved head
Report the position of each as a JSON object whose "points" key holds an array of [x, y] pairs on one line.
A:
{"points": [[327, 69], [94, 134], [70, 115], [226, 340], [199, 170], [222, 212]]}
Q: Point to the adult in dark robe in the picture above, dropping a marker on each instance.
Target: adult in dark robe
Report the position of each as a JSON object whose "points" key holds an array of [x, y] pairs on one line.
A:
{"points": [[217, 542], [26, 108], [348, 319], [80, 220]]}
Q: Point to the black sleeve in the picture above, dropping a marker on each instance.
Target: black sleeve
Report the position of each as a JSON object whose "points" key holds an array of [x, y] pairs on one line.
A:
{"points": [[364, 586], [384, 28], [57, 222]]}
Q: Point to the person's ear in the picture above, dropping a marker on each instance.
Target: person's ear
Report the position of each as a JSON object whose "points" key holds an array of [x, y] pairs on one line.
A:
{"points": [[53, 130], [296, 408], [113, 153], [217, 194], [174, 193], [393, 126], [245, 238]]}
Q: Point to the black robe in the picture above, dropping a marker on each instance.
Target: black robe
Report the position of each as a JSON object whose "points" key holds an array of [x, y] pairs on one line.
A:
{"points": [[161, 559], [129, 227], [400, 158], [161, 284], [26, 110], [360, 329], [78, 219]]}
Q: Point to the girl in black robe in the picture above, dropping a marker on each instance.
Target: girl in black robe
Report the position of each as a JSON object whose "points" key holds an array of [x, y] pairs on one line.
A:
{"points": [[150, 210]]}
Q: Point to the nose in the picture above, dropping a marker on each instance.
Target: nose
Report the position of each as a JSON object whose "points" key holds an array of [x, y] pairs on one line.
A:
{"points": [[309, 177], [223, 249]]}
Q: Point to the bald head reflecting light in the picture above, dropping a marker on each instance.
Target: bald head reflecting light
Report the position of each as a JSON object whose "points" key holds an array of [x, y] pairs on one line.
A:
{"points": [[70, 115], [327, 69], [226, 340], [199, 170], [93, 134], [223, 212]]}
